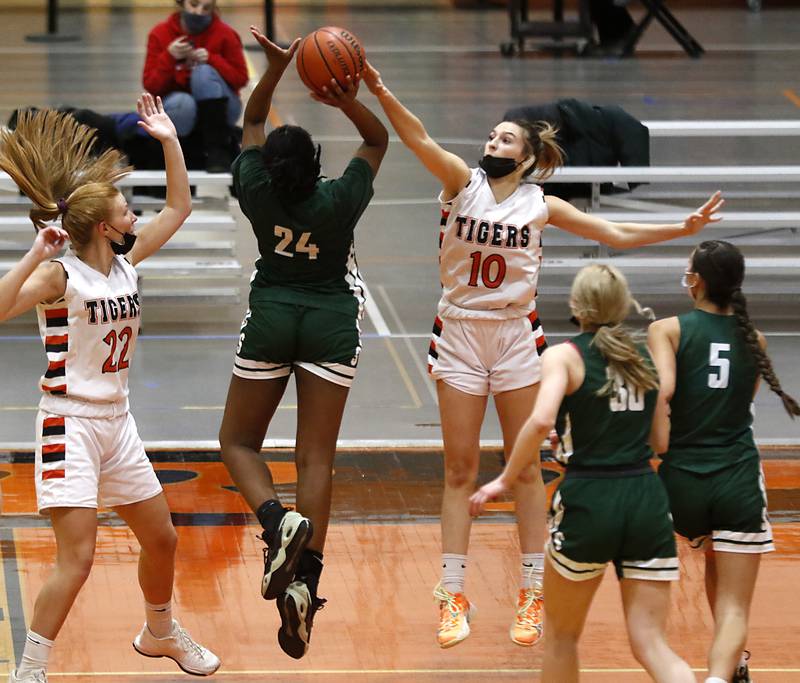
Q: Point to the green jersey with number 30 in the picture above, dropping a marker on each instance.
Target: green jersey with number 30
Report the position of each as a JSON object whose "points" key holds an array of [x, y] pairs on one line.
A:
{"points": [[610, 430], [711, 410], [306, 248]]}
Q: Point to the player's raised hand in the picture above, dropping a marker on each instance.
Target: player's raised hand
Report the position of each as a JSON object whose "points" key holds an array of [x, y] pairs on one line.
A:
{"points": [[372, 79], [706, 214], [153, 118], [49, 242], [276, 55], [335, 95]]}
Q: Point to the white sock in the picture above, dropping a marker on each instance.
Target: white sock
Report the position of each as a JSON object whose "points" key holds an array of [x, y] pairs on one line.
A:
{"points": [[532, 570], [714, 679], [454, 568], [159, 619], [36, 653]]}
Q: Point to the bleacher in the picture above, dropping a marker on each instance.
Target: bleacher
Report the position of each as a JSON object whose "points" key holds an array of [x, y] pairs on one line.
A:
{"points": [[200, 265]]}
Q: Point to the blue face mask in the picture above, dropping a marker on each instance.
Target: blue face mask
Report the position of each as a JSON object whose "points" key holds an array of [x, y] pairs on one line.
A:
{"points": [[196, 23]]}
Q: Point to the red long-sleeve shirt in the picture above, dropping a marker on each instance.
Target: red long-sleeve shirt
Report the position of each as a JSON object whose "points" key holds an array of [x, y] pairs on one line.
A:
{"points": [[164, 74]]}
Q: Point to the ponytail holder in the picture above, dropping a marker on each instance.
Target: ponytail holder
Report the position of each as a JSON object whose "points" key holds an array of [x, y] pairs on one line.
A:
{"points": [[62, 206]]}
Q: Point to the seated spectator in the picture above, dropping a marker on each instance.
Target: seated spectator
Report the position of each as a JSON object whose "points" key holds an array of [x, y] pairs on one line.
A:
{"points": [[195, 62]]}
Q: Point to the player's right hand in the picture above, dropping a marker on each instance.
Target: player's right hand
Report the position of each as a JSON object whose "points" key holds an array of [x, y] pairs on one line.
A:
{"points": [[49, 242], [180, 48]]}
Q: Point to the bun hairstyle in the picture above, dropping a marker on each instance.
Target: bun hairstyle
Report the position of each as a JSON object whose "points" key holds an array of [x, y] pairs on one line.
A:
{"points": [[601, 298], [540, 140], [721, 265], [292, 161], [50, 157]]}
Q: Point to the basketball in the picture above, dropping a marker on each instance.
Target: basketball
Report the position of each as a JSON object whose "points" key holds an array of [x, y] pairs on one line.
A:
{"points": [[329, 52]]}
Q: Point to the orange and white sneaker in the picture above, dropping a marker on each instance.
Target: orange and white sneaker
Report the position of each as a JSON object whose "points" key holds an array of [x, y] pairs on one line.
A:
{"points": [[455, 612], [527, 627]]}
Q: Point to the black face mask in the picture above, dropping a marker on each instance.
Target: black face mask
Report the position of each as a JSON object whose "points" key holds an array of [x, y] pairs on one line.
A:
{"points": [[128, 240], [497, 167]]}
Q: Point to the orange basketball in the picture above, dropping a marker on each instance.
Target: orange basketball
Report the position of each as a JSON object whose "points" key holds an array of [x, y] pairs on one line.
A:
{"points": [[329, 52]]}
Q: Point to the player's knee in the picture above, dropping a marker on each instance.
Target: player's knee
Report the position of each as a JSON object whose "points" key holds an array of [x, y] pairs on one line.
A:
{"points": [[76, 565], [459, 474]]}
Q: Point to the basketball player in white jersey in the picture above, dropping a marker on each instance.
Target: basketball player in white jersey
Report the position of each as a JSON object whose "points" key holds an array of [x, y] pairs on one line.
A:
{"points": [[487, 337], [88, 451]]}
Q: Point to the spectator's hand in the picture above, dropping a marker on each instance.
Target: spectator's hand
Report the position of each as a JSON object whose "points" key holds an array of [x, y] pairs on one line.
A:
{"points": [[696, 221], [335, 96], [153, 119], [200, 55], [49, 242], [180, 48], [486, 493], [276, 55], [372, 79]]}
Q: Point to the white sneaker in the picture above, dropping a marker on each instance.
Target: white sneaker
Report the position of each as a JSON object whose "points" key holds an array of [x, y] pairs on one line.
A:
{"points": [[190, 656], [36, 676]]}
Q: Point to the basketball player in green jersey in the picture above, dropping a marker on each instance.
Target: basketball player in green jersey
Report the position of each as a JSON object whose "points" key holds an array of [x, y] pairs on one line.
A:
{"points": [[306, 297], [600, 389], [709, 361]]}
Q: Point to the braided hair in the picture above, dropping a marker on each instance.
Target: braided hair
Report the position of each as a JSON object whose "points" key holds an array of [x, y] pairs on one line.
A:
{"points": [[292, 161], [721, 265]]}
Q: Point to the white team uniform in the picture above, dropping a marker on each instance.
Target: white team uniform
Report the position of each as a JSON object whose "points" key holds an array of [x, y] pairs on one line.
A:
{"points": [[88, 450], [487, 336]]}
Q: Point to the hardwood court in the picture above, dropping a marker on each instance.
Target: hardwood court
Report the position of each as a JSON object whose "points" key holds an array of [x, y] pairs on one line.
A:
{"points": [[381, 564]]}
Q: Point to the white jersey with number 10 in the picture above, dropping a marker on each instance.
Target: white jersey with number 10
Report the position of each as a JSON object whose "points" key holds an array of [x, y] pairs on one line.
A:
{"points": [[490, 253]]}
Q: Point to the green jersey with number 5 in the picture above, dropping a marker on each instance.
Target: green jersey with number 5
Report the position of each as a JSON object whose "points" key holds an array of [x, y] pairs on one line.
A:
{"points": [[609, 430], [306, 248], [711, 410]]}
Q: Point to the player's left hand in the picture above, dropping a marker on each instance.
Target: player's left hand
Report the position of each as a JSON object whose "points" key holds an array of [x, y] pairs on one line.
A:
{"points": [[484, 494], [275, 54], [706, 214], [335, 95], [153, 118]]}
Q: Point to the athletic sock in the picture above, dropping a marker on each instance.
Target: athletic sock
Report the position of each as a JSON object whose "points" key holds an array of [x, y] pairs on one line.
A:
{"points": [[714, 679], [454, 569], [309, 569], [532, 570], [270, 513], [35, 655], [159, 619]]}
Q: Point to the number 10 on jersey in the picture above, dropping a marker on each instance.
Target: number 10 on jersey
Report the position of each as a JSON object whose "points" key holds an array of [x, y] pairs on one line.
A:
{"points": [[491, 270]]}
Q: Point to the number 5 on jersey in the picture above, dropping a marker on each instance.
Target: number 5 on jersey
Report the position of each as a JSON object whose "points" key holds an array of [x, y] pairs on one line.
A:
{"points": [[303, 246]]}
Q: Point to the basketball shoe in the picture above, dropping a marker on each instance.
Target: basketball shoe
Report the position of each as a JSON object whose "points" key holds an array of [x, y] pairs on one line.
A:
{"points": [[527, 627], [37, 676], [297, 608], [455, 612], [283, 552], [742, 673], [190, 656]]}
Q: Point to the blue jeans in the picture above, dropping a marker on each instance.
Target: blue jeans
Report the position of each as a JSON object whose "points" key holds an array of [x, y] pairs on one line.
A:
{"points": [[205, 84]]}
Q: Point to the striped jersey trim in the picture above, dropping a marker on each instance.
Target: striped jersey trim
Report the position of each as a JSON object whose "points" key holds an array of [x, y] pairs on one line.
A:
{"points": [[355, 281]]}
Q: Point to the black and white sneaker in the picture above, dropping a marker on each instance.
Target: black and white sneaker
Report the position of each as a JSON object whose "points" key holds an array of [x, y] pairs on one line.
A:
{"points": [[283, 552], [297, 609], [742, 673]]}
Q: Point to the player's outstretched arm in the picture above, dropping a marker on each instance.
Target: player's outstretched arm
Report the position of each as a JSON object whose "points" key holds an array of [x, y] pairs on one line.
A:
{"points": [[555, 381], [260, 100], [179, 198], [628, 235], [451, 170], [34, 279]]}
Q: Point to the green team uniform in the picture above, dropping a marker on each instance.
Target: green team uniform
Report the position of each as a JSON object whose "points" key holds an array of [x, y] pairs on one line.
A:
{"points": [[306, 294], [712, 469], [610, 506]]}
